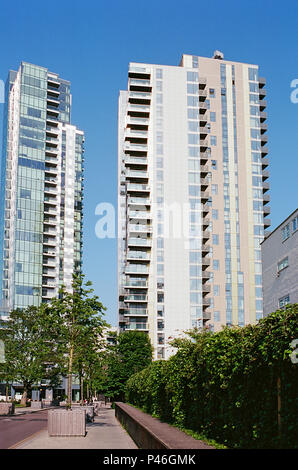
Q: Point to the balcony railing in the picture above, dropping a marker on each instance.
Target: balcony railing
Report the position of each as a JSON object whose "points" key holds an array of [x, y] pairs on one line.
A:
{"points": [[139, 241], [136, 268]]}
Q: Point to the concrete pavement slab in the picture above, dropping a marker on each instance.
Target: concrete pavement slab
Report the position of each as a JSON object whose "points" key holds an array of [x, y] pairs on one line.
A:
{"points": [[104, 433]]}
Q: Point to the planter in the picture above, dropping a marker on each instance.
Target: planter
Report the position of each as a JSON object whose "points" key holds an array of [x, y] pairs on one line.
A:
{"points": [[67, 423], [6, 408], [36, 405], [47, 402]]}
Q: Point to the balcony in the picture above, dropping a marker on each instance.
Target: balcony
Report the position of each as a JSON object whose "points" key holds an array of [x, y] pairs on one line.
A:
{"points": [[205, 222], [137, 120], [267, 223], [265, 174], [138, 188], [137, 174], [53, 82], [205, 234], [50, 222], [266, 198], [266, 210], [204, 143], [206, 289], [203, 118], [265, 162], [136, 161], [50, 180], [139, 242], [204, 156], [139, 201], [204, 196], [204, 170], [50, 190], [262, 93], [137, 326], [144, 228], [145, 215], [202, 94], [205, 276], [263, 116], [263, 104], [262, 82], [205, 303], [204, 183], [205, 249], [140, 283], [263, 128], [203, 130], [136, 269], [53, 101], [266, 186], [136, 298], [51, 151], [205, 263], [138, 256], [202, 82], [264, 150], [264, 139]]}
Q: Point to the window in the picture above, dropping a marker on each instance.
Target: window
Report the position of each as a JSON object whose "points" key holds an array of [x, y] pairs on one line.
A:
{"points": [[215, 239], [214, 189], [211, 92], [25, 193], [213, 140], [295, 223], [192, 88], [216, 264], [192, 77], [285, 232], [284, 301], [283, 264], [158, 73], [214, 164], [253, 74], [215, 214], [216, 316], [216, 290], [212, 116], [193, 139]]}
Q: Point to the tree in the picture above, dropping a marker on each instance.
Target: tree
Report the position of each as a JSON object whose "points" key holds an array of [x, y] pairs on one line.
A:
{"points": [[131, 353], [77, 316], [29, 348]]}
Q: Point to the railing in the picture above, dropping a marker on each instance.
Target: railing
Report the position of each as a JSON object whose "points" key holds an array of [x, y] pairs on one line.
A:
{"points": [[139, 283], [139, 228], [139, 214], [138, 255], [139, 200], [137, 326], [139, 241], [138, 187], [136, 268]]}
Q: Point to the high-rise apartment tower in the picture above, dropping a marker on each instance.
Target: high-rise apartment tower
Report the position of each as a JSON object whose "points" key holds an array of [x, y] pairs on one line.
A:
{"points": [[193, 196], [41, 189]]}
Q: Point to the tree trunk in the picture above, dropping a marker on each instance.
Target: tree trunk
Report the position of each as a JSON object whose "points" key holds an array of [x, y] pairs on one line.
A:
{"points": [[6, 392], [279, 405], [24, 396], [82, 390], [69, 384]]}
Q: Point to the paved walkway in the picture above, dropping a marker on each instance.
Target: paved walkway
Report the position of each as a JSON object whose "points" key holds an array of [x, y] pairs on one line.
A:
{"points": [[104, 433]]}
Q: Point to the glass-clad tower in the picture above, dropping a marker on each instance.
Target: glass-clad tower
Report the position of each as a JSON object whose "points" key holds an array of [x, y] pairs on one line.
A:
{"points": [[41, 188], [193, 196]]}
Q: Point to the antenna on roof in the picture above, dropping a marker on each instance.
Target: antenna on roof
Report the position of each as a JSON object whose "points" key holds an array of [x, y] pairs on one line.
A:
{"points": [[218, 55]]}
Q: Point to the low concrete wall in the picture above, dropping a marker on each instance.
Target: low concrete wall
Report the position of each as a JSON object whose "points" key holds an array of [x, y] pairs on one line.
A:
{"points": [[6, 409], [36, 404], [150, 433], [67, 423]]}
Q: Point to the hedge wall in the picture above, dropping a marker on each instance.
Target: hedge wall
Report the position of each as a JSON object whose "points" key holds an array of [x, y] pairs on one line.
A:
{"points": [[237, 386]]}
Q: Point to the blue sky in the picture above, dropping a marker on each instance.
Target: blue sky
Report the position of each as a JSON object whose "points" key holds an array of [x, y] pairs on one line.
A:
{"points": [[91, 43]]}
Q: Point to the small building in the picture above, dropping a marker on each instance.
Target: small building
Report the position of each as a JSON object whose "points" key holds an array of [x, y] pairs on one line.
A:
{"points": [[280, 265]]}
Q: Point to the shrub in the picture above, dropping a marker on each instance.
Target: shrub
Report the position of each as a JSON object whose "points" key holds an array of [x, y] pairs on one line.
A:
{"points": [[226, 385]]}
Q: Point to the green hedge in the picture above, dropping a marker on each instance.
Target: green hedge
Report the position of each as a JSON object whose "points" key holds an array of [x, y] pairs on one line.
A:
{"points": [[226, 385]]}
